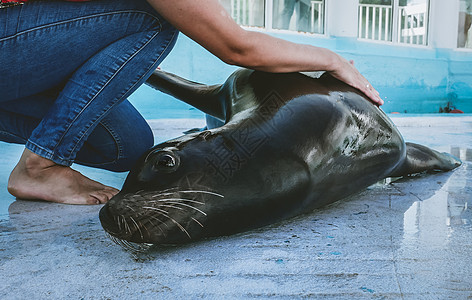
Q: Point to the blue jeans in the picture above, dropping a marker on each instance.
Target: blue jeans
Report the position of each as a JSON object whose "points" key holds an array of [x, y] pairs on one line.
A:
{"points": [[66, 70]]}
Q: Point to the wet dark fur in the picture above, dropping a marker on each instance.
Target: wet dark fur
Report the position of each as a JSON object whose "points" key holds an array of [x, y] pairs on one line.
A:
{"points": [[290, 144]]}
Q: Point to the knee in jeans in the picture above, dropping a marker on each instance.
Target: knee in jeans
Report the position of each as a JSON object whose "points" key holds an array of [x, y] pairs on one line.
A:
{"points": [[138, 145], [113, 151], [132, 147]]}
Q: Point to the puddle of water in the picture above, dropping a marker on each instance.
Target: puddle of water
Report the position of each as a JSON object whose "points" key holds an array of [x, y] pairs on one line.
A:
{"points": [[464, 154], [434, 220]]}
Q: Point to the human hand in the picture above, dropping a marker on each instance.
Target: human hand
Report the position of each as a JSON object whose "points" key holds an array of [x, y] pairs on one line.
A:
{"points": [[347, 72]]}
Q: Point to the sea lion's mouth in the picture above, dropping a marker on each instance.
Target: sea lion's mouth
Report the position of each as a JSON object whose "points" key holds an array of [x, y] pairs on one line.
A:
{"points": [[130, 246], [167, 217]]}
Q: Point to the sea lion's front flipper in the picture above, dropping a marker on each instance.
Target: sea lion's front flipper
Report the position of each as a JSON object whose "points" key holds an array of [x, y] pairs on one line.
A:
{"points": [[201, 96], [421, 158]]}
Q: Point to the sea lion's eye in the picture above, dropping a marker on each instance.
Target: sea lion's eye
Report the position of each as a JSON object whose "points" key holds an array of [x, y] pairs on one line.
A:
{"points": [[165, 161]]}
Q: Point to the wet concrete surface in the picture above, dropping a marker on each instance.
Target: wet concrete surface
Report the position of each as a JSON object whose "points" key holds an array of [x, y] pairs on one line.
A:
{"points": [[404, 239]]}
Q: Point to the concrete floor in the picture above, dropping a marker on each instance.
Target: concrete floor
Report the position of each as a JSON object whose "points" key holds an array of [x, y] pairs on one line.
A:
{"points": [[407, 239]]}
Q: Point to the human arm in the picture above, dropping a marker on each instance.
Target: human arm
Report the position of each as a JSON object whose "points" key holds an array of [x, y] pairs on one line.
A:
{"points": [[208, 23]]}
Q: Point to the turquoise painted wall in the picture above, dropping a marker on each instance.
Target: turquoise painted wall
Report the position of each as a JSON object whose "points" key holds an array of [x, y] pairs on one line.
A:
{"points": [[410, 79]]}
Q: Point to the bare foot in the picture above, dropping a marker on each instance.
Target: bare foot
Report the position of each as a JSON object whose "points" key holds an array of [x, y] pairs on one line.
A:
{"points": [[35, 177]]}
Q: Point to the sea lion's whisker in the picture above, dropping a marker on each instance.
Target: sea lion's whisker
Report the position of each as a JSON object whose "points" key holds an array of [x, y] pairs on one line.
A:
{"points": [[130, 208], [178, 199], [122, 222], [134, 247], [145, 228], [156, 226], [181, 228], [174, 221], [137, 227], [203, 192], [117, 241], [174, 189], [196, 221], [189, 206], [163, 194], [170, 206], [121, 243], [117, 221], [157, 209], [161, 223], [127, 228]]}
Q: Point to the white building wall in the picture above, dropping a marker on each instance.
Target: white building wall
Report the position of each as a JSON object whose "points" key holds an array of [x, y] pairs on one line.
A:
{"points": [[342, 18], [444, 22], [342, 21]]}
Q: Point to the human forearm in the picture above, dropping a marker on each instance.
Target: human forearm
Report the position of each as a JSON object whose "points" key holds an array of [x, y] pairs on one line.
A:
{"points": [[207, 23], [266, 53]]}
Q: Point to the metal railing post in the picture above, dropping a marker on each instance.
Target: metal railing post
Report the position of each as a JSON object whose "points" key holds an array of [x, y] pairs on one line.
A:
{"points": [[268, 19], [395, 19]]}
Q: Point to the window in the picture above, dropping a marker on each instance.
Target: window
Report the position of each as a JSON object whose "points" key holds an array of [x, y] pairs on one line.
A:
{"points": [[401, 21], [298, 15], [464, 38], [294, 15], [375, 20], [246, 12]]}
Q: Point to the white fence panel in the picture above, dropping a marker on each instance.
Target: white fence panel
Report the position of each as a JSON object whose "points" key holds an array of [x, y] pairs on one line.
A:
{"points": [[245, 12], [375, 22], [413, 21], [317, 16]]}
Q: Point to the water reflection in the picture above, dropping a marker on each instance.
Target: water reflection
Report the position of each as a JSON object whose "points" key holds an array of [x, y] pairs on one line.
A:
{"points": [[458, 198], [463, 154], [432, 220]]}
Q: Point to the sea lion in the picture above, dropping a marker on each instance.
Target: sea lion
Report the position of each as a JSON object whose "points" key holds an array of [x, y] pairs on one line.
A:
{"points": [[289, 144]]}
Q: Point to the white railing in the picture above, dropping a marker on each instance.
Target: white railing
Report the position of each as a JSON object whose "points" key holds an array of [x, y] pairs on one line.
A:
{"points": [[375, 22], [242, 11], [245, 12], [401, 24], [413, 22], [380, 22], [317, 16], [239, 11], [314, 24]]}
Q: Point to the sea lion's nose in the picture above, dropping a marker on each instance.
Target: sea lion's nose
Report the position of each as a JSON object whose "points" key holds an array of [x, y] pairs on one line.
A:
{"points": [[108, 222]]}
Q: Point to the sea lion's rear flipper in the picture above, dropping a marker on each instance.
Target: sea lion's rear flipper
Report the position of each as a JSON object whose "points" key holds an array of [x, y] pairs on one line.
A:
{"points": [[201, 96], [421, 158]]}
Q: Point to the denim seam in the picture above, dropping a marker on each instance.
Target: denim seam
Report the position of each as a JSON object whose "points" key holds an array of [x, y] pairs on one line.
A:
{"points": [[98, 93], [80, 19], [33, 147], [117, 143], [162, 52], [115, 137], [131, 87], [51, 154], [13, 135], [18, 24], [109, 129]]}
